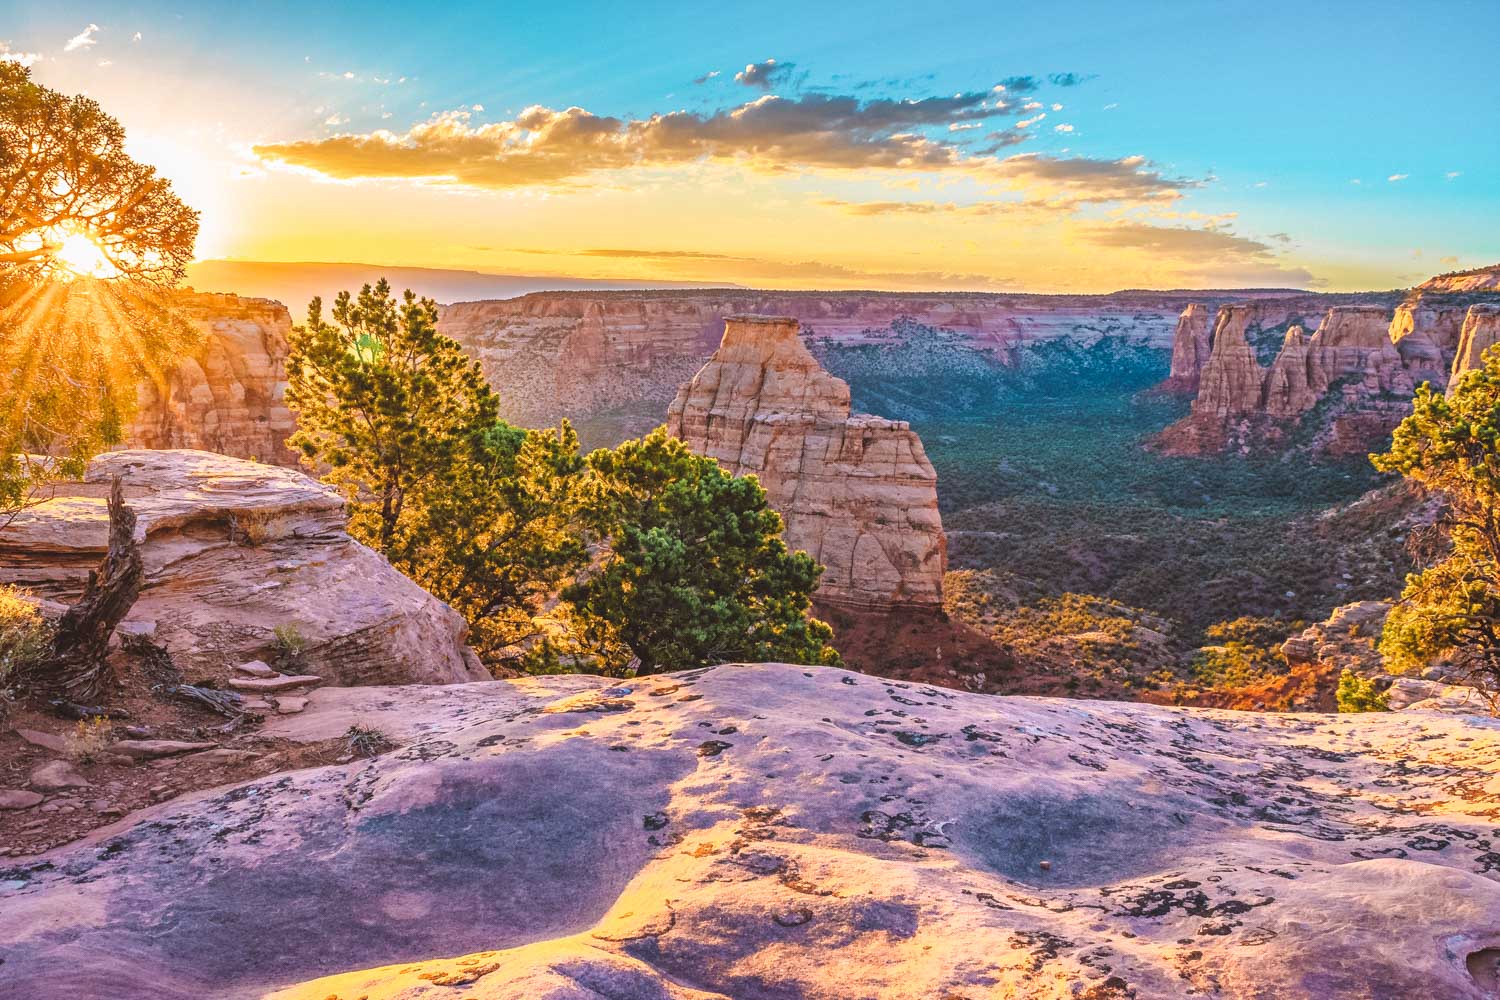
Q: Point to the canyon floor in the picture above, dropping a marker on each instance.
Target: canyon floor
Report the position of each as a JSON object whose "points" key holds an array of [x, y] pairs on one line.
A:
{"points": [[772, 831]]}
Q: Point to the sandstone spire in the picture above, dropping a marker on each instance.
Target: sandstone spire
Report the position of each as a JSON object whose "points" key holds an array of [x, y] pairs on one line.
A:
{"points": [[856, 491]]}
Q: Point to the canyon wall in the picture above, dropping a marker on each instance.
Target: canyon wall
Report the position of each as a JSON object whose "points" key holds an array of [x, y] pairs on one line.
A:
{"points": [[1192, 345], [1481, 331], [1278, 376], [569, 354], [856, 492], [227, 395]]}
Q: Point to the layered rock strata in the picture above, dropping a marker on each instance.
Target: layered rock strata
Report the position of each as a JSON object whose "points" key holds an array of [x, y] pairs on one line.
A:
{"points": [[856, 491], [1274, 379], [228, 395], [1480, 332], [234, 550], [1192, 345], [771, 831], [575, 354]]}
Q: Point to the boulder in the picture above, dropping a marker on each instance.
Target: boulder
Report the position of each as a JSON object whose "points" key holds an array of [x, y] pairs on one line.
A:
{"points": [[233, 551], [772, 831], [857, 492], [56, 776], [19, 798]]}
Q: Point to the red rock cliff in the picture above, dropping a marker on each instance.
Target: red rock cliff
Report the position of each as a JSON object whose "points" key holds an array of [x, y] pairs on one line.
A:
{"points": [[227, 396], [856, 491]]}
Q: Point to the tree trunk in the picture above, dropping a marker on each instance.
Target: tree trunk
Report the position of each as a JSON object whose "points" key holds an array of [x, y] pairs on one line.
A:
{"points": [[78, 669]]}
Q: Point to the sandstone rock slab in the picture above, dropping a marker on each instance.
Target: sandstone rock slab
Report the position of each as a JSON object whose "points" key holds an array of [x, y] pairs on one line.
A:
{"points": [[56, 776], [853, 837], [234, 550], [19, 798]]}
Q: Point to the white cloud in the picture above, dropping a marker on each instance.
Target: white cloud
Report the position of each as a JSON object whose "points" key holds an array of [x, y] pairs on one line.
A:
{"points": [[83, 39], [1355, 180], [348, 75], [20, 58], [1397, 177], [1111, 107], [1062, 128], [136, 37], [477, 107], [336, 119], [1259, 184], [1028, 122], [1057, 107], [1452, 174]]}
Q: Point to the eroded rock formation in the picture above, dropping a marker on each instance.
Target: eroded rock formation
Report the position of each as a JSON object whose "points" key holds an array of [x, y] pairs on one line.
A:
{"points": [[856, 491], [772, 831], [1480, 332], [1338, 386], [576, 354], [228, 395], [1192, 345], [233, 550]]}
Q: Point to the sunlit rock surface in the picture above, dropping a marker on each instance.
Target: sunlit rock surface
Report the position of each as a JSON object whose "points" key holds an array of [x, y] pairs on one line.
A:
{"points": [[227, 395], [774, 831], [856, 491], [233, 550]]}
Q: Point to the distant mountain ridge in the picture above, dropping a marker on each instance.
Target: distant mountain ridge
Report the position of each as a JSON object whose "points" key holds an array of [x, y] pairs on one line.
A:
{"points": [[294, 284]]}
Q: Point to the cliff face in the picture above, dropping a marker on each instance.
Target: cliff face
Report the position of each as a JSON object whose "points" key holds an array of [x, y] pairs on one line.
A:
{"points": [[1338, 387], [1192, 345], [1479, 279], [227, 396], [560, 354], [1481, 331], [857, 492]]}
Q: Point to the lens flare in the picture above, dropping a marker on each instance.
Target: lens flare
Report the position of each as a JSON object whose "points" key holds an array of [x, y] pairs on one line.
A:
{"points": [[78, 256]]}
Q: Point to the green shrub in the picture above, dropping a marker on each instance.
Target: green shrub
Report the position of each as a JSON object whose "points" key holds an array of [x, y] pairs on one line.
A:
{"points": [[1358, 694], [25, 638]]}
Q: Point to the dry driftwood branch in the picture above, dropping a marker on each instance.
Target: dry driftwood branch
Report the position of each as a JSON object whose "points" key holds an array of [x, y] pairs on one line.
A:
{"points": [[226, 703], [78, 668]]}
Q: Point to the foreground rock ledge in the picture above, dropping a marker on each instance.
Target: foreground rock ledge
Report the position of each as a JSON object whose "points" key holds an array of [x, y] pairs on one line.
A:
{"points": [[777, 831], [233, 550]]}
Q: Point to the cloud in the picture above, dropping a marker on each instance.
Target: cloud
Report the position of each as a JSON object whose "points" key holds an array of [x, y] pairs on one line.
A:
{"points": [[542, 146], [19, 58], [1173, 241], [1019, 84], [870, 208], [135, 37], [1062, 128], [1068, 181], [83, 39], [1453, 174], [764, 75], [335, 120], [1397, 177], [1210, 256], [706, 77], [1068, 79], [545, 147]]}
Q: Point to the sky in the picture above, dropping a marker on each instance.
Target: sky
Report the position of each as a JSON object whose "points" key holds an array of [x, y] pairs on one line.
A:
{"points": [[987, 146]]}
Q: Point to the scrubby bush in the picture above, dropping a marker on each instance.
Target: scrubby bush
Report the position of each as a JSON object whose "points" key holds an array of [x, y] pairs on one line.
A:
{"points": [[1451, 444], [1359, 694], [25, 640]]}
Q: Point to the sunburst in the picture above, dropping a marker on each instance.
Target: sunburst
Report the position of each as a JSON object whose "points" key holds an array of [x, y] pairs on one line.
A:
{"points": [[77, 255]]}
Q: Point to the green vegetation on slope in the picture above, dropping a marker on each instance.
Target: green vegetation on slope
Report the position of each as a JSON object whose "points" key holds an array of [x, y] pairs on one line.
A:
{"points": [[1046, 493]]}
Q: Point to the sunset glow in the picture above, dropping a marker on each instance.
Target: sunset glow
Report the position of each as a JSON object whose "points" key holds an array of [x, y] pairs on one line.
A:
{"points": [[985, 151]]}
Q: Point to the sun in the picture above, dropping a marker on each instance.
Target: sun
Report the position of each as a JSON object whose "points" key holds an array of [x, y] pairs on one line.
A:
{"points": [[78, 256]]}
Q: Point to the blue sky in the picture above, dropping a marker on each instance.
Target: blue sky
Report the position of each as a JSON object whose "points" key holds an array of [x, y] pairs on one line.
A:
{"points": [[1255, 122]]}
